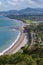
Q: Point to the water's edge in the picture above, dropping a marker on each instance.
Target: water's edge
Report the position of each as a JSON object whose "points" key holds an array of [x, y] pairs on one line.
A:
{"points": [[11, 44]]}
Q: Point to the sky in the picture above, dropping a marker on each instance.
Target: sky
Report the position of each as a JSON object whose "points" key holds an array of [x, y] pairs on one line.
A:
{"points": [[19, 4]]}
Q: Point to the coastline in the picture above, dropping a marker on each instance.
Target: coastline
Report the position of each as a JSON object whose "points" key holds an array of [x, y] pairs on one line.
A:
{"points": [[11, 44], [20, 41]]}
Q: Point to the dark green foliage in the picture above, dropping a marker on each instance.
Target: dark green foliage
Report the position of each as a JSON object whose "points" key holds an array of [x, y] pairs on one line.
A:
{"points": [[33, 58], [25, 17]]}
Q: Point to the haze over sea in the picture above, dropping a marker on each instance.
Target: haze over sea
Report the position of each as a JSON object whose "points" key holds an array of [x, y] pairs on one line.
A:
{"points": [[7, 34]]}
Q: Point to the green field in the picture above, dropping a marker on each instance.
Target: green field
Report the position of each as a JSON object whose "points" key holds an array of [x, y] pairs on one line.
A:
{"points": [[29, 21]]}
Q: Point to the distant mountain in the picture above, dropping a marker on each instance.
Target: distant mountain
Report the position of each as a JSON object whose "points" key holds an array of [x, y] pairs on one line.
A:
{"points": [[31, 11], [27, 11]]}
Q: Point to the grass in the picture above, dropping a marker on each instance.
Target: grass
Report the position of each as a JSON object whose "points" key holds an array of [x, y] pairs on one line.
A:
{"points": [[28, 21]]}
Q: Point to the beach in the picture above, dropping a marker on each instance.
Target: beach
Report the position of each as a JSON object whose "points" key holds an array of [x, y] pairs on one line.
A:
{"points": [[11, 44], [17, 44], [11, 35], [20, 43]]}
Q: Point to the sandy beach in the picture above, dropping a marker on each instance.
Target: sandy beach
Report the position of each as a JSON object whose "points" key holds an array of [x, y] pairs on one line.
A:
{"points": [[20, 42], [11, 44]]}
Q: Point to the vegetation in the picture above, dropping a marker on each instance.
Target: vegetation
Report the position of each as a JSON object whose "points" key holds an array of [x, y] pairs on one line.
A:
{"points": [[28, 21], [33, 56], [25, 17], [27, 56]]}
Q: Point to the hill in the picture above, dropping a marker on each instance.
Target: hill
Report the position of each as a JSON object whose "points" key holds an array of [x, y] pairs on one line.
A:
{"points": [[27, 11]]}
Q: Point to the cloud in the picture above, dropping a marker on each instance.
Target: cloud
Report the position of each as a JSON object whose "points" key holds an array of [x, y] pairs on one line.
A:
{"points": [[32, 4], [38, 1], [15, 2], [11, 3], [20, 4], [0, 2]]}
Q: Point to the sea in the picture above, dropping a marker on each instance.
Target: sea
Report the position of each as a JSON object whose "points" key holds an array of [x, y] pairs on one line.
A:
{"points": [[8, 32]]}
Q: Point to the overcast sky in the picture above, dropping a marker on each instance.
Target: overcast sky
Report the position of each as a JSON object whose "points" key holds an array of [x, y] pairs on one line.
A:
{"points": [[20, 4]]}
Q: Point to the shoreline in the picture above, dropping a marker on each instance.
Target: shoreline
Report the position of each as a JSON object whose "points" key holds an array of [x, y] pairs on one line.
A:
{"points": [[20, 41], [11, 44]]}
